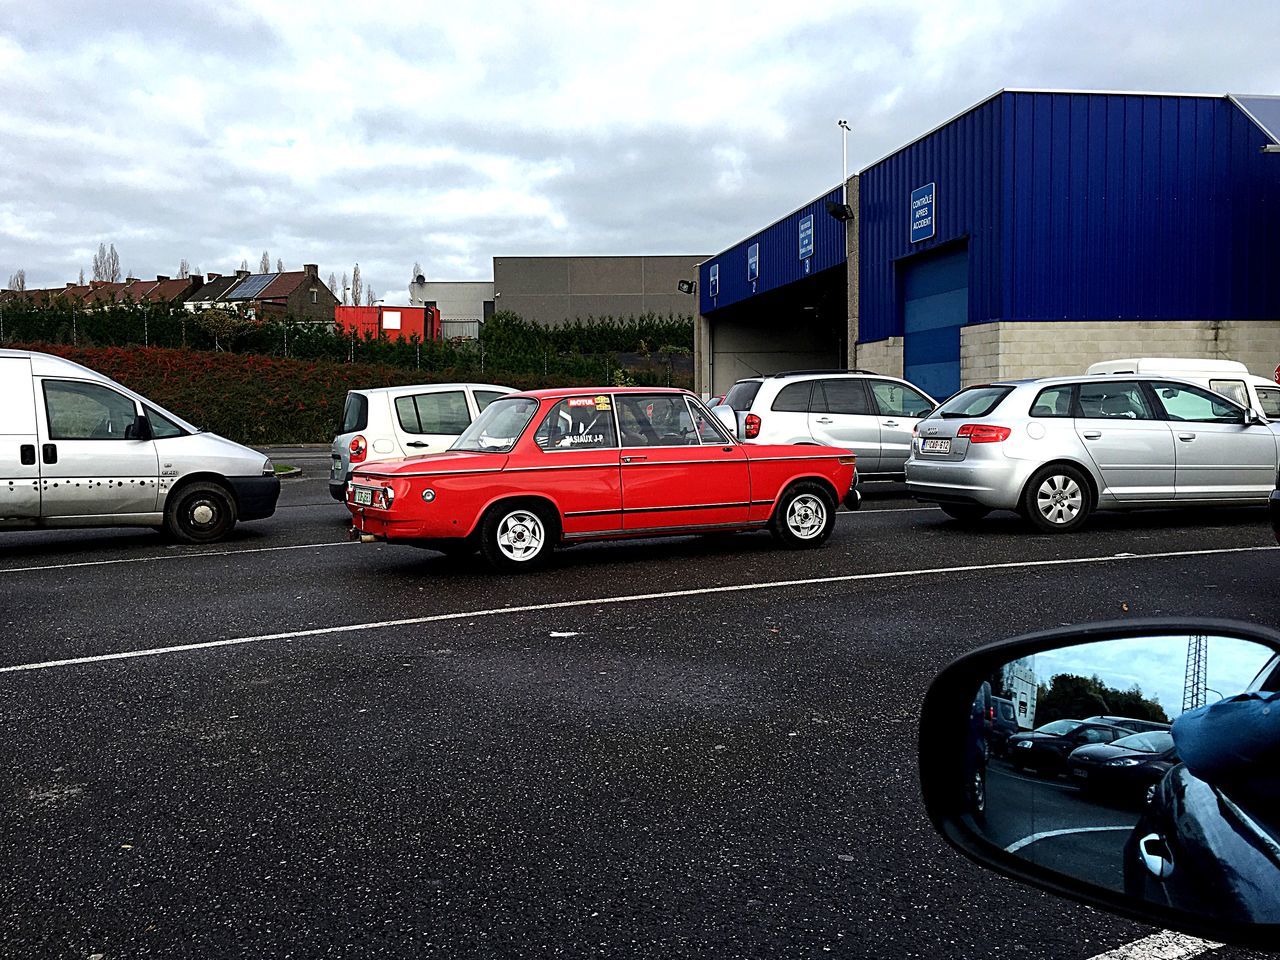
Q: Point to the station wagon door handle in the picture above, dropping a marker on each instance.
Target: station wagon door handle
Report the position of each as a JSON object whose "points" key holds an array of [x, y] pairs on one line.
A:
{"points": [[1186, 437], [1093, 434], [49, 453], [417, 443], [633, 458], [891, 423], [824, 419]]}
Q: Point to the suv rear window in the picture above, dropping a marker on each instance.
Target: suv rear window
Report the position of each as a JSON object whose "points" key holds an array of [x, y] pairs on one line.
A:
{"points": [[355, 415], [974, 402], [742, 394]]}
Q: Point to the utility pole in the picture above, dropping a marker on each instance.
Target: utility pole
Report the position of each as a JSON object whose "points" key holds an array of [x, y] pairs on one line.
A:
{"points": [[1194, 685], [844, 160]]}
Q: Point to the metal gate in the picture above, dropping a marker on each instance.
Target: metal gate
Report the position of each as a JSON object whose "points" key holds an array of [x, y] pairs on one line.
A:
{"points": [[935, 305]]}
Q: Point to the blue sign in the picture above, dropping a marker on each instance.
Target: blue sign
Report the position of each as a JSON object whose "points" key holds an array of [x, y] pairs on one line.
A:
{"points": [[713, 280], [923, 210], [753, 261], [806, 237]]}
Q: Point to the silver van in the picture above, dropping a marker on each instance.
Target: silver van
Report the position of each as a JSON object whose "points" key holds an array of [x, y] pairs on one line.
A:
{"points": [[78, 449]]}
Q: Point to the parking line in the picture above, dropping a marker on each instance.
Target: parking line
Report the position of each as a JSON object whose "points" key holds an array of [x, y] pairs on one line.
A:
{"points": [[625, 598], [858, 513], [179, 556], [1165, 945], [1046, 834]]}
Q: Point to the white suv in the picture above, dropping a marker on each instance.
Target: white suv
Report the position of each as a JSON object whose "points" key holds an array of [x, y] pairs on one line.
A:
{"points": [[387, 423], [865, 412]]}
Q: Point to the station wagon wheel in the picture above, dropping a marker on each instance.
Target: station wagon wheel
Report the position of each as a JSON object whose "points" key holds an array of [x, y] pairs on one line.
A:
{"points": [[517, 537], [804, 517], [1056, 499], [200, 513]]}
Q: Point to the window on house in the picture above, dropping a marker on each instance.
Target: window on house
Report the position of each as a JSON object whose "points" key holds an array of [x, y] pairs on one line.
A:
{"points": [[315, 297]]}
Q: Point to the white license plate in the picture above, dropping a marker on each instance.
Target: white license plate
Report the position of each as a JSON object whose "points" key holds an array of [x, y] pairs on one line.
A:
{"points": [[335, 471], [936, 446], [363, 497]]}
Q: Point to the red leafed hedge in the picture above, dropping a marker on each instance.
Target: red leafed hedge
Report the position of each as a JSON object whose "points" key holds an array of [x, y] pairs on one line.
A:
{"points": [[248, 397]]}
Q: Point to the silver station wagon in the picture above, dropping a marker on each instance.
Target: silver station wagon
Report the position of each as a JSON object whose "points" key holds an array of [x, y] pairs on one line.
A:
{"points": [[1056, 449]]}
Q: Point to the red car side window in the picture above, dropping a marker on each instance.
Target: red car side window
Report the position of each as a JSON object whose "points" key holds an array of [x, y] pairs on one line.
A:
{"points": [[578, 423]]}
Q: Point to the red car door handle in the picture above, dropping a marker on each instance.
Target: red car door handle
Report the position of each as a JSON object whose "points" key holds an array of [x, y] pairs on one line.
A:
{"points": [[632, 459]]}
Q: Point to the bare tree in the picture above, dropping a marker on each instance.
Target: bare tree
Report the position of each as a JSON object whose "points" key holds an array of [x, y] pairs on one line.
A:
{"points": [[244, 264], [356, 286], [369, 297], [18, 281], [184, 269], [279, 265], [333, 284], [417, 272], [346, 288], [106, 263], [82, 276]]}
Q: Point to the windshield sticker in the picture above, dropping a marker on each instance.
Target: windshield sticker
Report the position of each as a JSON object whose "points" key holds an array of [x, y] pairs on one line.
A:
{"points": [[581, 402], [602, 403]]}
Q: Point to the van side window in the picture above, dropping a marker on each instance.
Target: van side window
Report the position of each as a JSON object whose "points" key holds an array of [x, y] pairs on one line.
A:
{"points": [[1270, 399], [86, 411], [162, 428]]}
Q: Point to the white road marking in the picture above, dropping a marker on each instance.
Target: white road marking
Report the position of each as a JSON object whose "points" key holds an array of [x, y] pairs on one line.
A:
{"points": [[625, 598], [193, 555], [1046, 834], [1165, 945], [865, 509]]}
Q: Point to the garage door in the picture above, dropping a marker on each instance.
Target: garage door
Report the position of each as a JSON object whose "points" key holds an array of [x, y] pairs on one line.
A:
{"points": [[935, 306]]}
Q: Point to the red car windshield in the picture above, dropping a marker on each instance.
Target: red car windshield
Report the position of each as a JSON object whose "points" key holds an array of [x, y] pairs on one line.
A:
{"points": [[498, 428]]}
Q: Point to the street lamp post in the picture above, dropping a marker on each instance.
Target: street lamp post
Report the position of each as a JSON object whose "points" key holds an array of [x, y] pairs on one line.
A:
{"points": [[844, 160]]}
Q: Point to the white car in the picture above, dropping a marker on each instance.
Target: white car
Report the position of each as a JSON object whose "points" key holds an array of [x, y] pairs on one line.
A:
{"points": [[870, 414], [388, 423], [78, 449]]}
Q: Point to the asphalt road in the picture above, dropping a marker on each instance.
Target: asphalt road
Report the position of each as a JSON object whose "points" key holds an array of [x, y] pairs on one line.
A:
{"points": [[537, 765]]}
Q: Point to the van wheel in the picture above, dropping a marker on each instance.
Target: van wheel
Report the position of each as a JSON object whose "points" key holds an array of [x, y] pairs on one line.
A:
{"points": [[517, 537], [1056, 499], [804, 517], [200, 513]]}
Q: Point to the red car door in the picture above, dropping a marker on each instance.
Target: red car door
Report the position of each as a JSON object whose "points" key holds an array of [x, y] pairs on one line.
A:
{"points": [[678, 468], [574, 462]]}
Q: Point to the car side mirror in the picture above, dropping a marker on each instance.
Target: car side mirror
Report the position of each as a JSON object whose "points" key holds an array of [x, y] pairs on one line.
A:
{"points": [[1192, 846], [728, 419], [140, 429]]}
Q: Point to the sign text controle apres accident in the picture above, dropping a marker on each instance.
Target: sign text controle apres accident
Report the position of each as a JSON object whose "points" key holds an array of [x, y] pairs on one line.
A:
{"points": [[922, 212]]}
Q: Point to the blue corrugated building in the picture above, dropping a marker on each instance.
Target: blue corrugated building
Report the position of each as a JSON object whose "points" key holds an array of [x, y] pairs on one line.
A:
{"points": [[1033, 234]]}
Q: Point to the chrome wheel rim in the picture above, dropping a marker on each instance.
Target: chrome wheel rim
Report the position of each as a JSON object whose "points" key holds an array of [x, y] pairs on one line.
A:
{"points": [[979, 792], [521, 535], [1059, 499], [203, 514], [806, 516]]}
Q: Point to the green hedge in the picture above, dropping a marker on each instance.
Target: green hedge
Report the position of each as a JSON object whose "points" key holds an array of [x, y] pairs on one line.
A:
{"points": [[258, 399]]}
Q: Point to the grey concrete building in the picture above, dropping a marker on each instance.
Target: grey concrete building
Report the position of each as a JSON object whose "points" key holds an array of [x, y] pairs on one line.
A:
{"points": [[464, 305], [557, 290]]}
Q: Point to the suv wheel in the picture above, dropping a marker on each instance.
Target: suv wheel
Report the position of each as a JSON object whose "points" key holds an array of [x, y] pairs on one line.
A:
{"points": [[804, 517], [518, 537], [1056, 499]]}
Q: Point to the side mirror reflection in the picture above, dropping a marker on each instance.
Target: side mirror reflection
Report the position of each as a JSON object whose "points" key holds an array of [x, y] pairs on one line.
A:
{"points": [[725, 414], [1137, 769]]}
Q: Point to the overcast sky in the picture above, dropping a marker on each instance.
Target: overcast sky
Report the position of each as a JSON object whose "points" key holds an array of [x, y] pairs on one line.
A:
{"points": [[448, 133]]}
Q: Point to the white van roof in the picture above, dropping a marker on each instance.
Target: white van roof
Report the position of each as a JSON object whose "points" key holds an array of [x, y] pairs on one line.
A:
{"points": [[47, 365], [1169, 365]]}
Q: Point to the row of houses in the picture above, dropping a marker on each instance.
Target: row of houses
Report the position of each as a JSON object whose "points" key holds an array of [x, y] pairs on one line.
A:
{"points": [[299, 294]]}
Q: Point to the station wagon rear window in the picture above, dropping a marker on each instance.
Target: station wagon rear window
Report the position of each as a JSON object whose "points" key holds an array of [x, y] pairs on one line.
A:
{"points": [[974, 402]]}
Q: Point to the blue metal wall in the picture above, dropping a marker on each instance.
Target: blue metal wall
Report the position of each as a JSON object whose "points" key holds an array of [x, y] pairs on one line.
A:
{"points": [[1084, 207], [780, 262], [963, 159]]}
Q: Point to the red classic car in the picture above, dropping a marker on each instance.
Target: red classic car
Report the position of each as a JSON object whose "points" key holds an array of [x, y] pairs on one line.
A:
{"points": [[548, 467]]}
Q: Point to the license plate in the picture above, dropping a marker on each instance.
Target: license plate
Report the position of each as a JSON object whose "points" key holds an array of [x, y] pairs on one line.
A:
{"points": [[1081, 773], [936, 446], [335, 472], [363, 497]]}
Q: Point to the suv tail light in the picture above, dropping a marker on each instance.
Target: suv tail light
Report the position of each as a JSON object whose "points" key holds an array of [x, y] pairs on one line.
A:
{"points": [[753, 426], [983, 432], [359, 447]]}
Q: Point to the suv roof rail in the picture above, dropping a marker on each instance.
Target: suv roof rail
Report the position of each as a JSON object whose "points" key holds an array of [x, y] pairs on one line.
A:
{"points": [[798, 373]]}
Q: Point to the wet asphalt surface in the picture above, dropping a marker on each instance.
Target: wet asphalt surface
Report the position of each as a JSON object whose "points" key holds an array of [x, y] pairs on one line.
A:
{"points": [[722, 774]]}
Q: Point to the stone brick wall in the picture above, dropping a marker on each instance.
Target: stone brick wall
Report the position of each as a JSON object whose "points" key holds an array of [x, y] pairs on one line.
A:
{"points": [[1011, 349], [883, 356]]}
